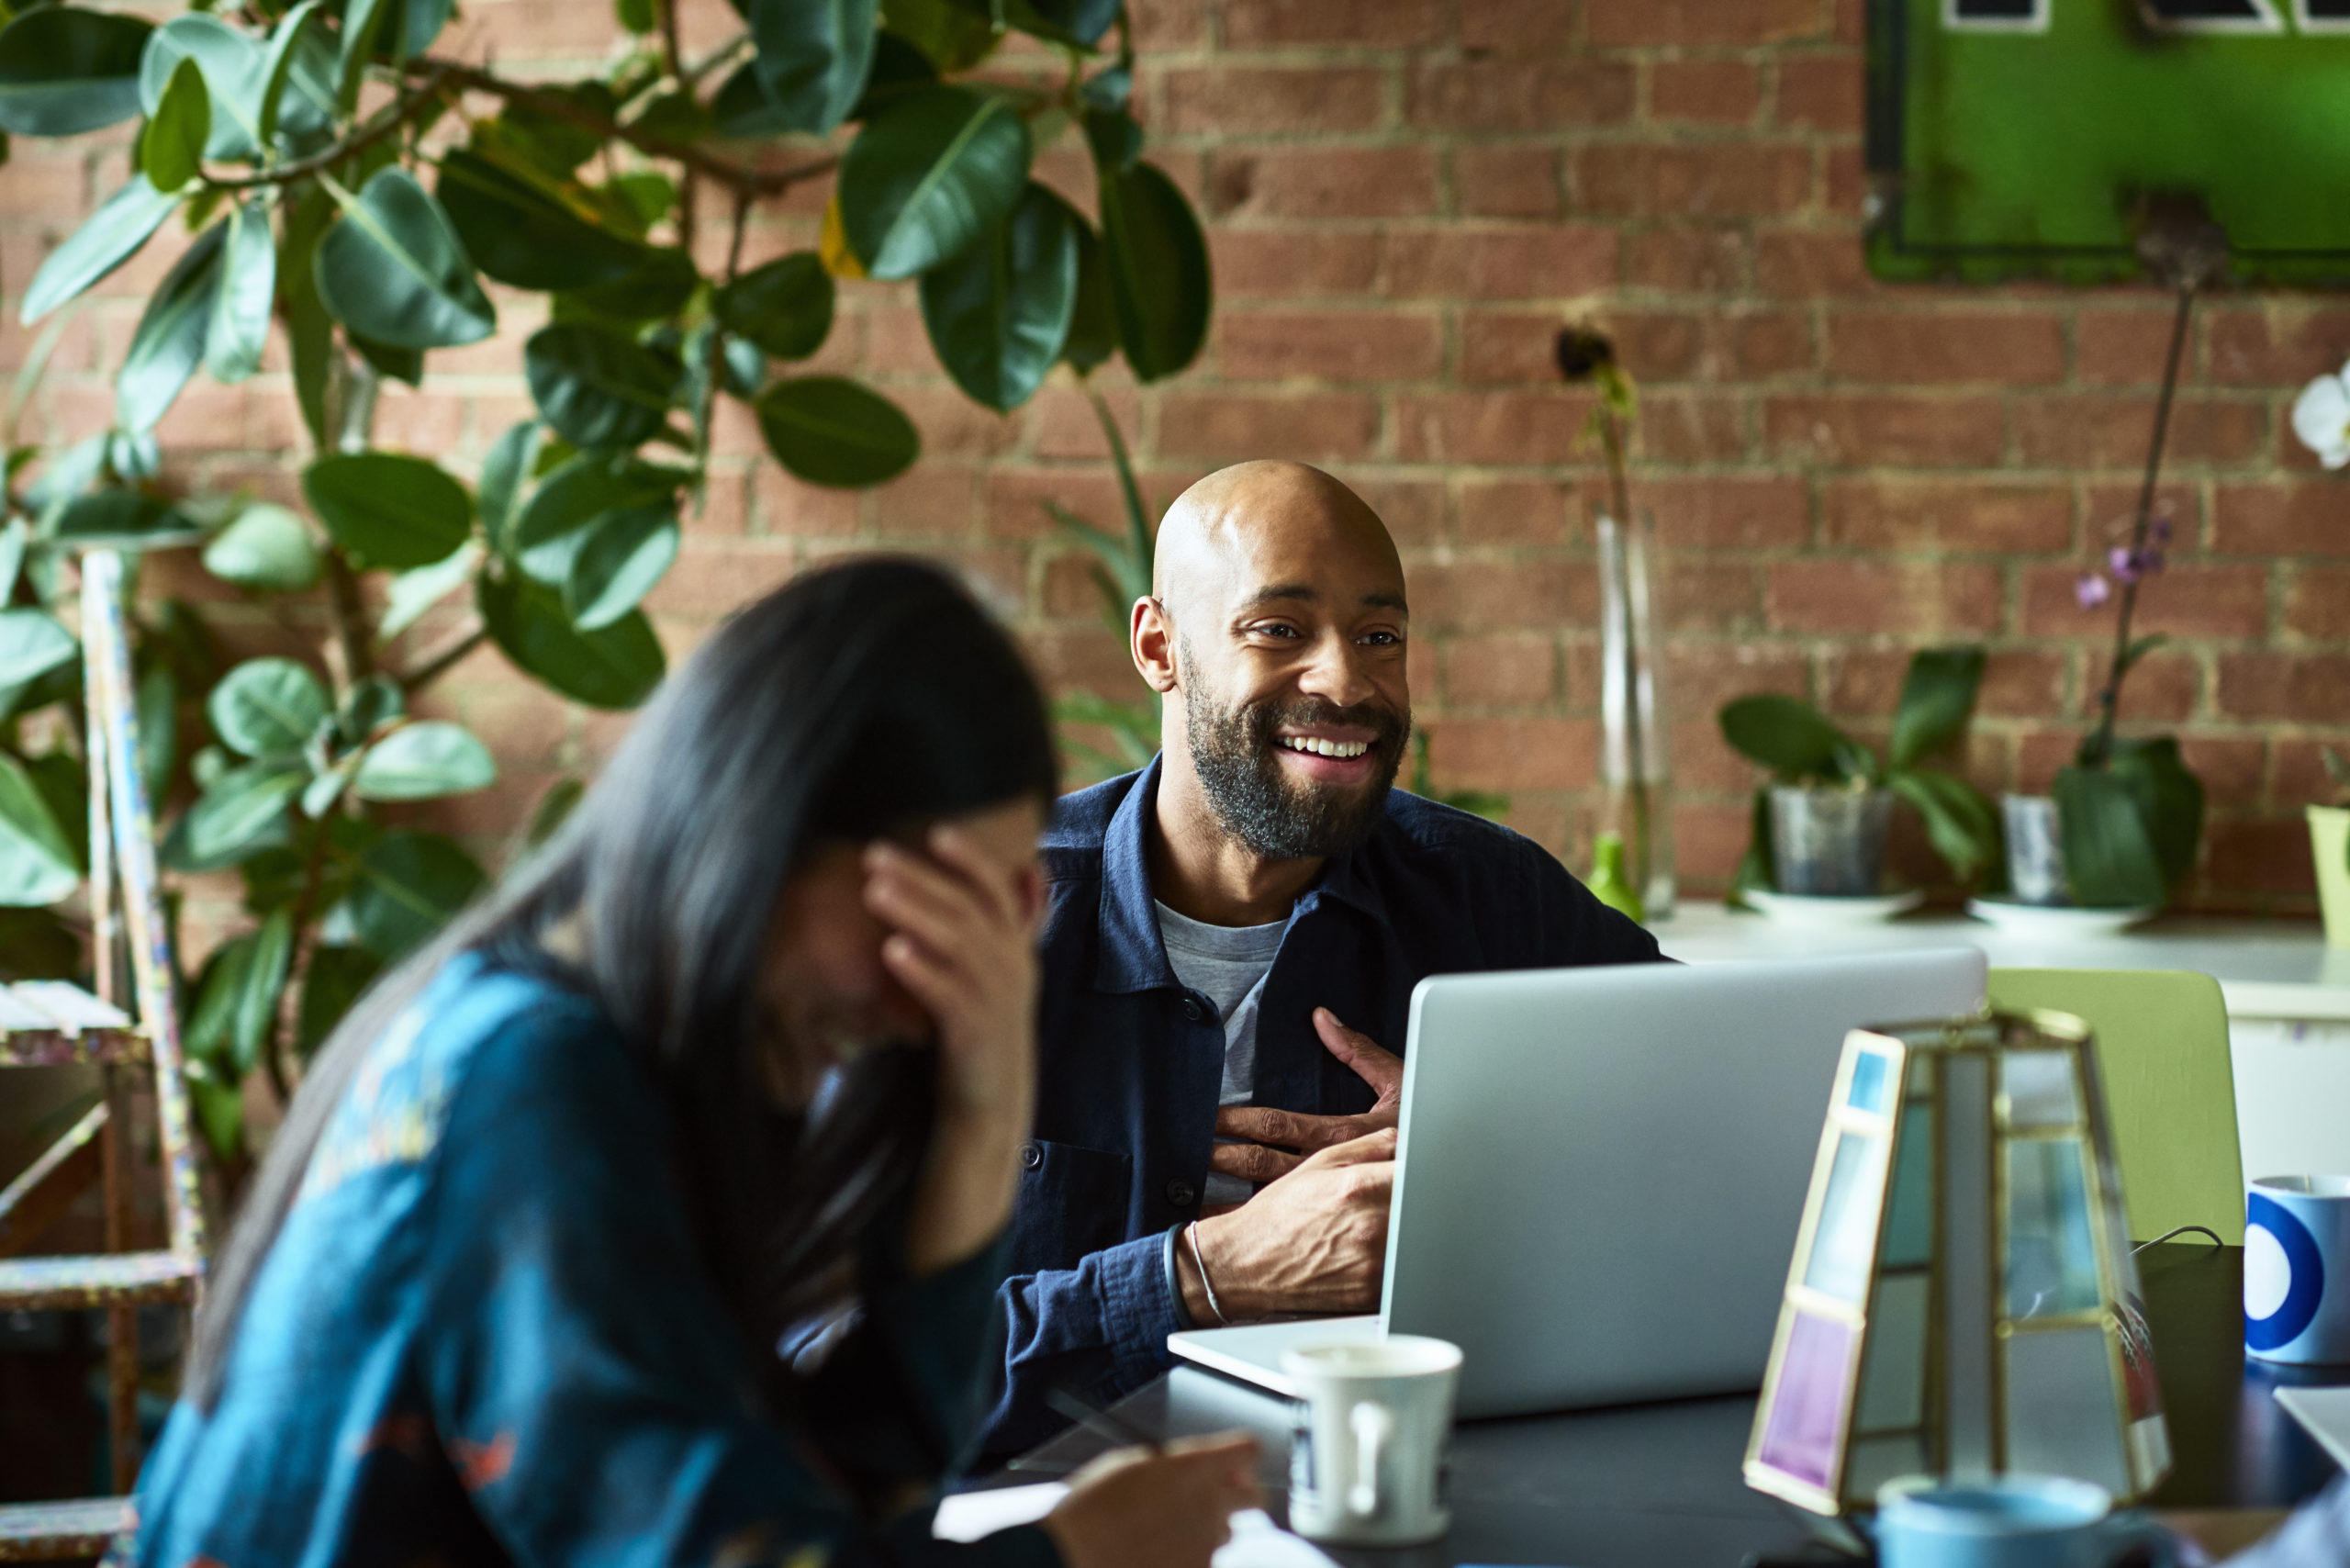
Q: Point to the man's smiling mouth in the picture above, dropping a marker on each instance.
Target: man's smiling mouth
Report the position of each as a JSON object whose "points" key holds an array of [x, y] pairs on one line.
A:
{"points": [[1316, 746]]}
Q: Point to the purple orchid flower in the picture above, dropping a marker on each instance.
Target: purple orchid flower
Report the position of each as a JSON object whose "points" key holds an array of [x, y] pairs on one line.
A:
{"points": [[2091, 590]]}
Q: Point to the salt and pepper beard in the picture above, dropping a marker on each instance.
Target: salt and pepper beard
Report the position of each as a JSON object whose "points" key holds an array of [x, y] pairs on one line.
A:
{"points": [[1236, 753]]}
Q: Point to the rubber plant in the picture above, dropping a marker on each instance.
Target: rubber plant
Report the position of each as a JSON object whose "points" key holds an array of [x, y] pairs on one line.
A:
{"points": [[1800, 745], [352, 182]]}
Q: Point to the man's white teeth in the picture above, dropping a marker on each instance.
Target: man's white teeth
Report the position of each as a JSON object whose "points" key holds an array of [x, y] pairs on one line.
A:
{"points": [[1326, 748]]}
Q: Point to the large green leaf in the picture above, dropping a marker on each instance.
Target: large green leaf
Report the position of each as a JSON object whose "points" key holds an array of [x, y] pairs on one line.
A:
{"points": [[1158, 264], [124, 520], [503, 474], [999, 312], [408, 888], [1092, 324], [948, 35], [394, 269], [419, 588], [241, 811], [170, 149], [255, 1017], [830, 431], [598, 389], [233, 67], [1787, 735], [617, 563], [2170, 801], [785, 306], [421, 22], [1937, 695], [331, 983], [585, 488], [1078, 21], [309, 331], [32, 643], [388, 509], [813, 57], [278, 69], [38, 862], [527, 230], [423, 762], [363, 21], [1960, 823], [613, 667], [247, 292], [663, 281], [111, 237], [266, 548], [268, 707], [169, 344], [928, 175], [64, 71], [2109, 862]]}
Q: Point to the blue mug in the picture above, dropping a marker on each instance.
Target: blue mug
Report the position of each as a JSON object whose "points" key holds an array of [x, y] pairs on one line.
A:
{"points": [[2011, 1521], [2295, 1252]]}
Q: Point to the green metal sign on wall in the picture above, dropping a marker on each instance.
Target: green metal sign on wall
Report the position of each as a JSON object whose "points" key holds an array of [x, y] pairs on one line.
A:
{"points": [[2020, 138]]}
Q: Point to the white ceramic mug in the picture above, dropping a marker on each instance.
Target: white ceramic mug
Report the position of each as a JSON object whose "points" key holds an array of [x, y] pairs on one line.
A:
{"points": [[1367, 1462], [2297, 1269]]}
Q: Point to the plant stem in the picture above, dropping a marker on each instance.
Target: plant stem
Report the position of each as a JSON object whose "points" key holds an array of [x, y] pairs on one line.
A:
{"points": [[440, 664], [2098, 747], [387, 122]]}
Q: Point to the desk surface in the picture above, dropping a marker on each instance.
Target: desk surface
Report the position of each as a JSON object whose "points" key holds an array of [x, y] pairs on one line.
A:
{"points": [[1648, 1485], [2267, 969]]}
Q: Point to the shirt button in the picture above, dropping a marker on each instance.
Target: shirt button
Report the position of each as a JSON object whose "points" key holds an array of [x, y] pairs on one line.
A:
{"points": [[1031, 1156], [1181, 1193], [1192, 1009]]}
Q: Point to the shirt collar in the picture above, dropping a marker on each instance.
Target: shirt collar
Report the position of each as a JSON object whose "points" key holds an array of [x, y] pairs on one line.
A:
{"points": [[1132, 954]]}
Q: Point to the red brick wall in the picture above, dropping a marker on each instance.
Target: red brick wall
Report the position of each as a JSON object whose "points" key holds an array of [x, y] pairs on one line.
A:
{"points": [[1406, 199]]}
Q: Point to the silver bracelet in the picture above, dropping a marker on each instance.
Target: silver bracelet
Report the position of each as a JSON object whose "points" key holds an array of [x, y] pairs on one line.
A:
{"points": [[1214, 1305]]}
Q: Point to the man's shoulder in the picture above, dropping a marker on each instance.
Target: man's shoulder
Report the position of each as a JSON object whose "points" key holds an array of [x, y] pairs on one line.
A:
{"points": [[1424, 827], [1071, 844]]}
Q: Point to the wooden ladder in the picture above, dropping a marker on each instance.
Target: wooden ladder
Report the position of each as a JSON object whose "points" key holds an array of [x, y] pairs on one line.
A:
{"points": [[48, 1022]]}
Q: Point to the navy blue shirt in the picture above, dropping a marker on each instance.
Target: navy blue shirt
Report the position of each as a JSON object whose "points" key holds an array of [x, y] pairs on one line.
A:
{"points": [[1131, 1063]]}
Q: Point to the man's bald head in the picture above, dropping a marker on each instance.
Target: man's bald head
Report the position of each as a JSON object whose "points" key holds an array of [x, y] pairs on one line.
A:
{"points": [[1240, 522]]}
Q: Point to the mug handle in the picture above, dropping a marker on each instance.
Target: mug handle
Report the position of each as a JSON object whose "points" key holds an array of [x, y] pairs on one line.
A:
{"points": [[1373, 1426], [2127, 1531]]}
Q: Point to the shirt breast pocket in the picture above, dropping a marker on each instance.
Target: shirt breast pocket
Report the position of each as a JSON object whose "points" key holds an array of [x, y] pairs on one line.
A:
{"points": [[1072, 1202]]}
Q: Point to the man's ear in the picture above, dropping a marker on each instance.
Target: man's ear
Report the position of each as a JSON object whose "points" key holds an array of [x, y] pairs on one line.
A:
{"points": [[1151, 636]]}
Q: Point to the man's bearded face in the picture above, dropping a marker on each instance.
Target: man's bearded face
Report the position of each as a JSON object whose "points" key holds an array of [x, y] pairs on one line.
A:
{"points": [[1273, 806]]}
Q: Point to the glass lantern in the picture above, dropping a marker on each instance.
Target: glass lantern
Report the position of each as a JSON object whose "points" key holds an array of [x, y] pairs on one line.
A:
{"points": [[1963, 1301]]}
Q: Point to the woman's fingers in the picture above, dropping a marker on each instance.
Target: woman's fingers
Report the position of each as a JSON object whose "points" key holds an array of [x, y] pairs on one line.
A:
{"points": [[955, 849]]}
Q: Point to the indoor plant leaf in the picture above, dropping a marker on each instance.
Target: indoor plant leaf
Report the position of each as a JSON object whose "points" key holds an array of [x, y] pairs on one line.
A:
{"points": [[423, 762], [247, 292], [111, 237], [1156, 260], [1937, 695], [830, 431], [661, 284], [394, 269], [388, 509], [526, 230], [598, 389], [169, 342], [2169, 798], [233, 68], [255, 1016], [309, 331], [408, 887], [1786, 735], [1092, 326], [999, 311], [584, 490], [64, 71], [267, 707], [242, 811], [503, 474], [419, 588], [617, 563], [928, 175], [170, 149], [2109, 862], [278, 68], [125, 519], [32, 643], [614, 667], [813, 57], [267, 548], [1081, 21], [362, 20], [784, 307], [38, 863], [947, 35], [1960, 823], [331, 983]]}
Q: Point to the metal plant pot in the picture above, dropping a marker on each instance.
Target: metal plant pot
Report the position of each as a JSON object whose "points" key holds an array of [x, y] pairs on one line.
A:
{"points": [[1830, 843]]}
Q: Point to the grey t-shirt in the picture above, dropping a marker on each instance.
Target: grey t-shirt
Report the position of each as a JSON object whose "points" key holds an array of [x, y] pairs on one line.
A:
{"points": [[1228, 965]]}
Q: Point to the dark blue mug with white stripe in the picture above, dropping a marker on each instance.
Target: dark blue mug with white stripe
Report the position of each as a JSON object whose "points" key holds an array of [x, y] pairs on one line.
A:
{"points": [[2297, 1269]]}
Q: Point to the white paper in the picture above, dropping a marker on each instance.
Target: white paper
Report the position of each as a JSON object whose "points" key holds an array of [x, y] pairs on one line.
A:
{"points": [[1257, 1541], [2326, 1413]]}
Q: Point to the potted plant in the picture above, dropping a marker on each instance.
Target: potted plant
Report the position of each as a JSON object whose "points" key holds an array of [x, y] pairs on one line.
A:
{"points": [[1820, 827], [2329, 841]]}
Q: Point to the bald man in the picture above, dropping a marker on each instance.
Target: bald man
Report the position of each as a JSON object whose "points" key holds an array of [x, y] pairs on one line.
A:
{"points": [[1230, 950]]}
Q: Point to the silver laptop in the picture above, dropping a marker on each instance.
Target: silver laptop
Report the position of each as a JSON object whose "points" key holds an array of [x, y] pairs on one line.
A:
{"points": [[1602, 1171]]}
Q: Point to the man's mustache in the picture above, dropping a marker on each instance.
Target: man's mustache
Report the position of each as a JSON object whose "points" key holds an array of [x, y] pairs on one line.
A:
{"points": [[1383, 722]]}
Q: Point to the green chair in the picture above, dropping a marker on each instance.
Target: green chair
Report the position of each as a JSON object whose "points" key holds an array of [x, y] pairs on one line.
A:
{"points": [[2162, 1048]]}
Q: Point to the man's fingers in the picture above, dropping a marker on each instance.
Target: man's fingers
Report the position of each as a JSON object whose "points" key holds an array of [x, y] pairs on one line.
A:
{"points": [[1262, 1124], [1364, 1150], [1252, 1162], [1381, 1070]]}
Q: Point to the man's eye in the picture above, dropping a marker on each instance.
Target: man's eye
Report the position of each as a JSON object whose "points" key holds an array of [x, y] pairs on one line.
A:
{"points": [[1383, 639], [1277, 631]]}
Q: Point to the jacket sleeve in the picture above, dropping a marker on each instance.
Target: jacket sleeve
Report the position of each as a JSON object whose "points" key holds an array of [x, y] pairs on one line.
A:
{"points": [[1098, 1331], [592, 1392], [1569, 924]]}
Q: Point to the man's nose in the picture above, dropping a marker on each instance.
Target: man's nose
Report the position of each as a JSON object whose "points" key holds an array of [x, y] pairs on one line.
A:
{"points": [[1335, 673]]}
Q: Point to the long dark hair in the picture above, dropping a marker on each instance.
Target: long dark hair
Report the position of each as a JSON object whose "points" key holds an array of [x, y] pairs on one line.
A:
{"points": [[860, 699]]}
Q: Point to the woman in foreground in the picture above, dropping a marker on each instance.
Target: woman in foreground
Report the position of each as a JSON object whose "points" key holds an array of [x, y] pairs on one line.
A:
{"points": [[654, 1212]]}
